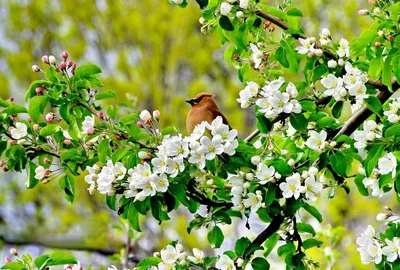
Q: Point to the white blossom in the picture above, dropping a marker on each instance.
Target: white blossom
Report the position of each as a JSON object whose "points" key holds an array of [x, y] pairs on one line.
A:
{"points": [[305, 46], [247, 95], [292, 186], [387, 164], [257, 55], [343, 49], [316, 141], [253, 201], [87, 124], [145, 115], [392, 250], [40, 172], [169, 254], [225, 8], [225, 263], [264, 173], [244, 4], [19, 131]]}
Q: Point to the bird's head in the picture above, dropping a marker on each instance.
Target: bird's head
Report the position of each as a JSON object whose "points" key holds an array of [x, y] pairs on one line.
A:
{"points": [[200, 99]]}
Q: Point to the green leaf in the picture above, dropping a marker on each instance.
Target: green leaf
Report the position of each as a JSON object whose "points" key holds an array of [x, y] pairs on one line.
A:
{"points": [[392, 131], [150, 261], [130, 118], [360, 186], [286, 249], [294, 12], [374, 154], [310, 243], [112, 111], [14, 266], [179, 192], [339, 163], [375, 68], [313, 211], [119, 154], [37, 106], [298, 121], [304, 227], [241, 246], [169, 130], [319, 71], [55, 258], [32, 181], [225, 23], [260, 263], [308, 105], [105, 94], [358, 46], [337, 109], [49, 130], [385, 179], [280, 55], [52, 75], [133, 217], [396, 67], [104, 150], [86, 71], [264, 125], [14, 108], [202, 3], [387, 68], [111, 202], [374, 104], [271, 243], [215, 237], [67, 183]]}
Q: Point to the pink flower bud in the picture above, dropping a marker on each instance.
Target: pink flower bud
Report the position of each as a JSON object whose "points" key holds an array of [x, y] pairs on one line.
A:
{"points": [[156, 114], [38, 91], [5, 169], [49, 117], [1, 163], [44, 87], [7, 259], [36, 127], [47, 171], [147, 122], [266, 24], [69, 63], [74, 66], [63, 65], [57, 69], [67, 141], [139, 124], [310, 54], [391, 38], [12, 142], [52, 60], [90, 131], [45, 59], [363, 12], [236, 57], [35, 68], [64, 55], [372, 2], [13, 118], [29, 119], [13, 251], [272, 29], [46, 160], [144, 155], [11, 99], [378, 44], [100, 115], [145, 115]]}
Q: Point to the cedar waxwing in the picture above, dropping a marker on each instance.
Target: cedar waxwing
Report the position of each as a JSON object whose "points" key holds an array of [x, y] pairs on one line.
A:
{"points": [[203, 108]]}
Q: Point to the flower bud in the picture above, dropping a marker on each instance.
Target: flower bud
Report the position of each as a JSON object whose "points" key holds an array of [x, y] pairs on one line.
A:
{"points": [[380, 33], [182, 262], [67, 141], [38, 147], [46, 160], [45, 59], [156, 114], [49, 117], [35, 68], [240, 14], [236, 57], [12, 142], [246, 185], [291, 162], [64, 55], [143, 155], [391, 38], [272, 29], [1, 163], [47, 171], [5, 169], [332, 64], [90, 131], [13, 251], [258, 192], [69, 63], [363, 12], [145, 115], [11, 99], [372, 2], [210, 182], [343, 92], [318, 52], [7, 259], [100, 115], [377, 11], [52, 60], [381, 217], [325, 32], [36, 127], [63, 65], [310, 54], [255, 160], [156, 254], [332, 144], [313, 40], [139, 124], [179, 248], [313, 171], [266, 24], [202, 20], [249, 176], [239, 262], [341, 62], [378, 44]]}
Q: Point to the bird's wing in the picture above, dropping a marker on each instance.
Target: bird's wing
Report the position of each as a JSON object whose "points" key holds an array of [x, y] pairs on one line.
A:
{"points": [[216, 113]]}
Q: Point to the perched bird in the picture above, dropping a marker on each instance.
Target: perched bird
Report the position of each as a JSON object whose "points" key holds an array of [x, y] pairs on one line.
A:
{"points": [[203, 108]]}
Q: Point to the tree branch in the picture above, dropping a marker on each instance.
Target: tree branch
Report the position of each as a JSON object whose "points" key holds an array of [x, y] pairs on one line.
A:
{"points": [[264, 235]]}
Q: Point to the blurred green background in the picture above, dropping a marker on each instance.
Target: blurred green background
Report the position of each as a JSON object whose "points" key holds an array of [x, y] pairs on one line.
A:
{"points": [[154, 57]]}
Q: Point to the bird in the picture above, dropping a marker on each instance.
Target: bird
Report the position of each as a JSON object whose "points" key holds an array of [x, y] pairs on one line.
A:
{"points": [[203, 108]]}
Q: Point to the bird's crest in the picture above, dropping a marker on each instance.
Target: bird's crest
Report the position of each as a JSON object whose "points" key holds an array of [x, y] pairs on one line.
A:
{"points": [[199, 97]]}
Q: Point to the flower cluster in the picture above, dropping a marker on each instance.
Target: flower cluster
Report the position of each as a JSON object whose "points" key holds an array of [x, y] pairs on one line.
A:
{"points": [[270, 99], [371, 131], [172, 256], [19, 131], [226, 7], [372, 249], [393, 114], [105, 178], [293, 186], [241, 198], [352, 83], [386, 164]]}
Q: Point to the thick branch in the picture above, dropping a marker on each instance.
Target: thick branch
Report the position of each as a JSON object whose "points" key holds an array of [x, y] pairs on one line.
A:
{"points": [[265, 234]]}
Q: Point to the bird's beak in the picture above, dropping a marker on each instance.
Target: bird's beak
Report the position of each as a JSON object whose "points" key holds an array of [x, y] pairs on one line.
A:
{"points": [[190, 101]]}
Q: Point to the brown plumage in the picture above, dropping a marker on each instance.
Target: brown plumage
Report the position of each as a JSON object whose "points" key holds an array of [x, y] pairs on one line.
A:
{"points": [[203, 108]]}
